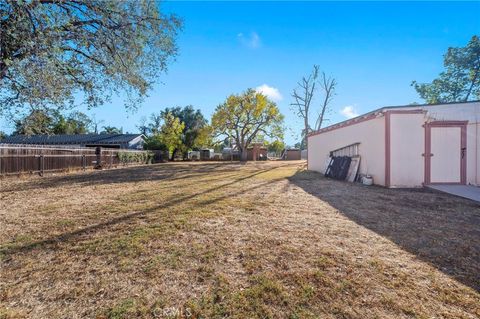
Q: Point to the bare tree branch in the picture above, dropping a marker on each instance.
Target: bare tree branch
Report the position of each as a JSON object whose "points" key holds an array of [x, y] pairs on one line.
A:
{"points": [[327, 85], [303, 96]]}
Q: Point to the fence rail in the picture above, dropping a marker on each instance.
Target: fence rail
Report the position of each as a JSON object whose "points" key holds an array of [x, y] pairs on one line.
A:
{"points": [[15, 159]]}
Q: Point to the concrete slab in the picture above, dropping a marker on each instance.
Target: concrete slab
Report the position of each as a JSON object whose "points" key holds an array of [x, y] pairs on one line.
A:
{"points": [[466, 191]]}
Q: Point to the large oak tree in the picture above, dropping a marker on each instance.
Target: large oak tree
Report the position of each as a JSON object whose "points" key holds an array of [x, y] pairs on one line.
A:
{"points": [[245, 116], [50, 50]]}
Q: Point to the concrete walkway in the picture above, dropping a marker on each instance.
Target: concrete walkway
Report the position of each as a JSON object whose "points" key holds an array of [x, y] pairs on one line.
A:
{"points": [[466, 191]]}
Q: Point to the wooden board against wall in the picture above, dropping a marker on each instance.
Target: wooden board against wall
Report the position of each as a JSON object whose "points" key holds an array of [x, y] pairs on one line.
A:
{"points": [[353, 169]]}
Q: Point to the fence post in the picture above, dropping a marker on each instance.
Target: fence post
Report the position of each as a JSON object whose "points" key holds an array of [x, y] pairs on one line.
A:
{"points": [[42, 165], [84, 162], [98, 153]]}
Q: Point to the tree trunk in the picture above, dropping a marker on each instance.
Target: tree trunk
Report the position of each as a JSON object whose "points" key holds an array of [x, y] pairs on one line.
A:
{"points": [[173, 154], [471, 85], [244, 155]]}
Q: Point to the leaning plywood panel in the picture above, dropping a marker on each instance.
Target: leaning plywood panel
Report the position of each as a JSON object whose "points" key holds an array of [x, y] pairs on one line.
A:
{"points": [[353, 170]]}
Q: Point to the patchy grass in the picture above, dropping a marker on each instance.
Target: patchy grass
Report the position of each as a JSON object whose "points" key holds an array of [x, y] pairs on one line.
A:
{"points": [[223, 240]]}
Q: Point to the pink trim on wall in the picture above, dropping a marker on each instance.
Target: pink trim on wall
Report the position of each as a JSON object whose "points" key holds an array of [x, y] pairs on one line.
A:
{"points": [[363, 118], [427, 155], [406, 111], [387, 149], [463, 146], [308, 156], [463, 159], [343, 124], [388, 139], [447, 123]]}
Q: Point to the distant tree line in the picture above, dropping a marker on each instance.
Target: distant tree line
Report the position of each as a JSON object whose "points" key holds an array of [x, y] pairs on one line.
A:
{"points": [[54, 122], [238, 122]]}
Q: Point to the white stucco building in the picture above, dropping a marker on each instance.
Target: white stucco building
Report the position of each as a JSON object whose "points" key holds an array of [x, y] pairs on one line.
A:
{"points": [[408, 146]]}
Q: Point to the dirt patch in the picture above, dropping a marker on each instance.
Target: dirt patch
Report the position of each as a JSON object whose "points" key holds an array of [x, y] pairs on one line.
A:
{"points": [[216, 240]]}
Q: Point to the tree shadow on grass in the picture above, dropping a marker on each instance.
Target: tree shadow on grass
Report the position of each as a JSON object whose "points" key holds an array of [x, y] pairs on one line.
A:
{"points": [[438, 228], [133, 174], [8, 250]]}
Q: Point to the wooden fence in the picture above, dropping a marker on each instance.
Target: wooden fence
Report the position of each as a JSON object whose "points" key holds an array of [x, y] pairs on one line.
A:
{"points": [[15, 159]]}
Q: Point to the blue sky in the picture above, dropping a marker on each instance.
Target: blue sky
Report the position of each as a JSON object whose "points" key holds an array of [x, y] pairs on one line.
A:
{"points": [[373, 49]]}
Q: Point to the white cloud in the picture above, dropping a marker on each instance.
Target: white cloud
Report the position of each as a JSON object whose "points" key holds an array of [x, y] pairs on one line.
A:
{"points": [[349, 112], [270, 92], [252, 41]]}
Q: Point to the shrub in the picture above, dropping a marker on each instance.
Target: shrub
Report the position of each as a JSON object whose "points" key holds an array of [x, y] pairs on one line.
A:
{"points": [[135, 157]]}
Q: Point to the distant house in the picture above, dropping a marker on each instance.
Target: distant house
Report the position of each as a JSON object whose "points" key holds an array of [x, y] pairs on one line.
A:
{"points": [[122, 141]]}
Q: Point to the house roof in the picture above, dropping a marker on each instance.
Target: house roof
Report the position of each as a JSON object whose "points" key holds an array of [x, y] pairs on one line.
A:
{"points": [[372, 114], [71, 139]]}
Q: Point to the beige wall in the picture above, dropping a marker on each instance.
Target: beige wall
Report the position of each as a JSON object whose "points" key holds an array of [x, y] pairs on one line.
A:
{"points": [[407, 144], [371, 136]]}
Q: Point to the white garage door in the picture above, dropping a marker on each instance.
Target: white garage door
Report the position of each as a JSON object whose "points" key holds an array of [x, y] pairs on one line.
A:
{"points": [[445, 163]]}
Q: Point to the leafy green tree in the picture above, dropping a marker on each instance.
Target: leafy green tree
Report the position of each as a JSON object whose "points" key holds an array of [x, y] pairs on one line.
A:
{"points": [[243, 117], [52, 122], [154, 143], [204, 138], [74, 123], [196, 132], [111, 130], [277, 146], [51, 50], [36, 122], [153, 126], [169, 135], [194, 124], [2, 135], [143, 126], [460, 82]]}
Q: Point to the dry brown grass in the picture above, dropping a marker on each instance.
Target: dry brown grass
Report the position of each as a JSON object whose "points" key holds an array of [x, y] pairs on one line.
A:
{"points": [[216, 240]]}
